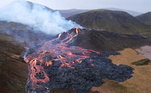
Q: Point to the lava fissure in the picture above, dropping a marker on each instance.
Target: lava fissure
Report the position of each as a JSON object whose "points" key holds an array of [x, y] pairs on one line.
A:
{"points": [[57, 64]]}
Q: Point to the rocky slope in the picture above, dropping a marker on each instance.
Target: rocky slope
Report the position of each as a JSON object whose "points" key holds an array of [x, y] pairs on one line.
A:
{"points": [[22, 33], [111, 41], [13, 72], [116, 21]]}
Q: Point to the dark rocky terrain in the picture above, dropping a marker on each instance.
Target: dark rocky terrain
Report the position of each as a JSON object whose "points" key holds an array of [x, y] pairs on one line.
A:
{"points": [[59, 64], [111, 41]]}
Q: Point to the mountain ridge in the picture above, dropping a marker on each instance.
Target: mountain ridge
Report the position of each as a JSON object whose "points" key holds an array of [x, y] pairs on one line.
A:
{"points": [[145, 18], [116, 21]]}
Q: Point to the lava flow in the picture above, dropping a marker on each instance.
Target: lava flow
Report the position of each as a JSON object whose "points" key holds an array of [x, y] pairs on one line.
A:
{"points": [[59, 64]]}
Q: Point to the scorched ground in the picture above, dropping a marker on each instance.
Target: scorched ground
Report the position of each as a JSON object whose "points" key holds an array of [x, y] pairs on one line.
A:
{"points": [[57, 63]]}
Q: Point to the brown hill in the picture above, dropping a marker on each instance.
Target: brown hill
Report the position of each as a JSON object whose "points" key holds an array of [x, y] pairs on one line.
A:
{"points": [[13, 72], [116, 21]]}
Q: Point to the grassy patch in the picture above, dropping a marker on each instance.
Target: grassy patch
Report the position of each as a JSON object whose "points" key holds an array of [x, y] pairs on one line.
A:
{"points": [[116, 87], [141, 62]]}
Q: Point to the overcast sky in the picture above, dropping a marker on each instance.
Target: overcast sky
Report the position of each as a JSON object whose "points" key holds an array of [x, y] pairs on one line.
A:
{"points": [[135, 5]]}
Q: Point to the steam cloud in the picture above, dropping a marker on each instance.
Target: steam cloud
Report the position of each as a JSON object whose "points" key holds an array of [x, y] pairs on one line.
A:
{"points": [[36, 16]]}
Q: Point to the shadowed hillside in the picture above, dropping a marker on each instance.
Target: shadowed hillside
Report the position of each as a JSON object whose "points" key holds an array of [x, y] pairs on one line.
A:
{"points": [[145, 18], [22, 33], [116, 21], [13, 72], [111, 41]]}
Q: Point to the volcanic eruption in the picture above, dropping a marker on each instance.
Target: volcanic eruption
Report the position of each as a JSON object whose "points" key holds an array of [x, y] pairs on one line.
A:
{"points": [[59, 64]]}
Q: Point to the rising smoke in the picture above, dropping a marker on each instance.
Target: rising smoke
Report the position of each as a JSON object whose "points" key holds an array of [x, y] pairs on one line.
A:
{"points": [[36, 16]]}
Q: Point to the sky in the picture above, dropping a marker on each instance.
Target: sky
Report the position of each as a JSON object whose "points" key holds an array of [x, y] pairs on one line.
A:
{"points": [[134, 5]]}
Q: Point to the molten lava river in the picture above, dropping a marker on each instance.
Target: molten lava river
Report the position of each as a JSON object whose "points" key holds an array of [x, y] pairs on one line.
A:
{"points": [[59, 64]]}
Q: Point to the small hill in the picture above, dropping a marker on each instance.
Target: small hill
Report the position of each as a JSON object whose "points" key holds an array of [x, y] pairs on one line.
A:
{"points": [[111, 41], [145, 18], [116, 21]]}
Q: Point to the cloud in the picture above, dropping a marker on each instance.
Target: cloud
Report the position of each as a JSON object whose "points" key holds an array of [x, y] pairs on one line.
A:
{"points": [[36, 16]]}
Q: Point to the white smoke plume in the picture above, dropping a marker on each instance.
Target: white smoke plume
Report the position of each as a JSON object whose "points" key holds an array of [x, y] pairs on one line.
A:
{"points": [[36, 16]]}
